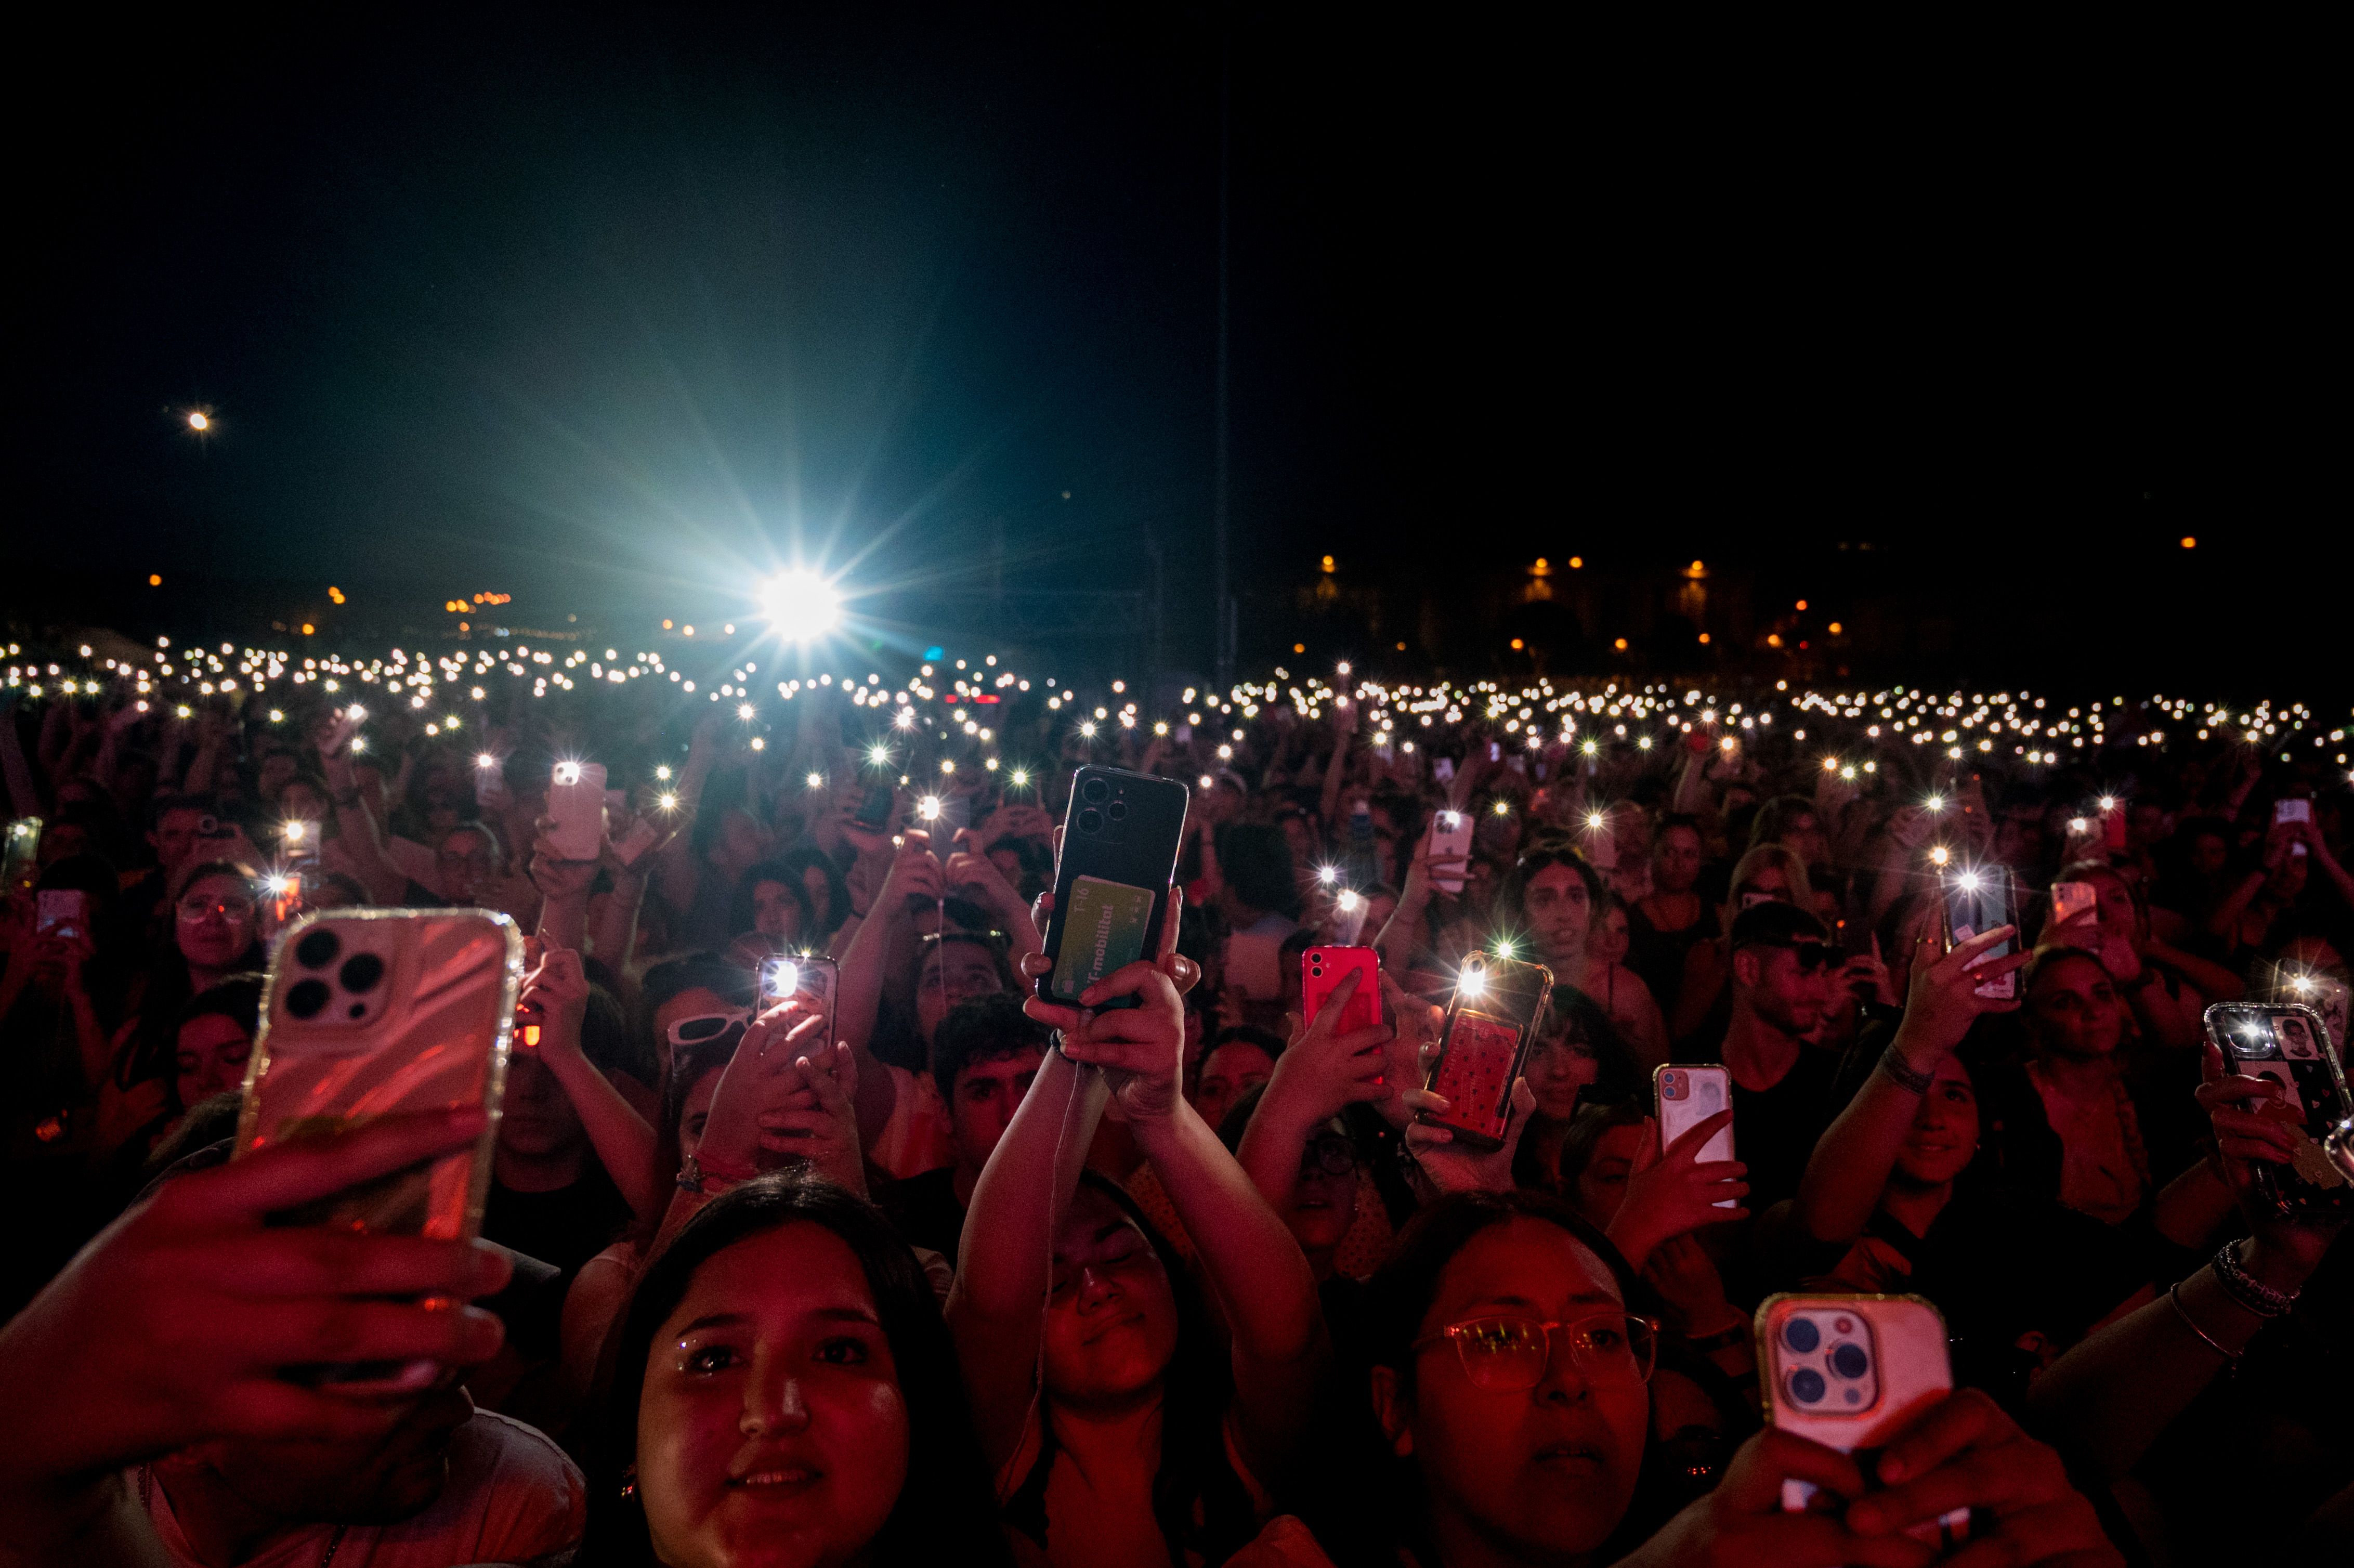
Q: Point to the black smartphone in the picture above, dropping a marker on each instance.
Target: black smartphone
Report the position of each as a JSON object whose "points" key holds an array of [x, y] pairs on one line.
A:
{"points": [[2288, 1042], [943, 817], [874, 807], [1120, 837], [1980, 899]]}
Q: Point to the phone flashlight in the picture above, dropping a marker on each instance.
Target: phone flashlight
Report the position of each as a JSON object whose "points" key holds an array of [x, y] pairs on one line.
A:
{"points": [[667, 801], [278, 883], [568, 773], [784, 978], [1328, 875], [1939, 854], [1021, 777], [2079, 826], [1351, 901], [1831, 764], [1935, 803], [929, 808], [1969, 882], [1594, 819], [295, 829], [1472, 982], [1503, 808], [817, 780], [486, 760], [2108, 803], [662, 772]]}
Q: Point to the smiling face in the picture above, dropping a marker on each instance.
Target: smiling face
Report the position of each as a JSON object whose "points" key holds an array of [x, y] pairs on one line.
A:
{"points": [[1944, 1130], [1542, 1473], [1112, 1319], [1558, 908], [771, 1427]]}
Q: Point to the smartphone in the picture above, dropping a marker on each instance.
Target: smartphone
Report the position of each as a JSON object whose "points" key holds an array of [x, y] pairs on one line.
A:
{"points": [[1850, 1373], [943, 817], [1443, 769], [575, 803], [2071, 899], [873, 808], [368, 1012], [1686, 1096], [2325, 994], [1979, 900], [299, 842], [2292, 809], [61, 912], [1450, 838], [1362, 863], [1324, 969], [1491, 1023], [1122, 832], [2288, 1042], [806, 975], [22, 865], [490, 783]]}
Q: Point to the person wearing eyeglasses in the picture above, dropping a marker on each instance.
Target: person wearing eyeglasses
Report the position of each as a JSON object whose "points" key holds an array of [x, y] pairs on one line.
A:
{"points": [[1785, 972]]}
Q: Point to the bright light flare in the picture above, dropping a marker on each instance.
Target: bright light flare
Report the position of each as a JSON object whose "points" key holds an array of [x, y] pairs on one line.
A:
{"points": [[296, 830], [1503, 808], [817, 780], [801, 604], [878, 756], [1350, 901], [929, 808], [1969, 882], [1936, 803], [1472, 982], [1328, 875], [744, 710], [485, 759], [1939, 854], [666, 800], [2108, 803]]}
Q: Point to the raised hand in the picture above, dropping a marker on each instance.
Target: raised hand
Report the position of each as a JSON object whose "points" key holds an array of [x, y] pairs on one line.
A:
{"points": [[1967, 1453], [816, 1119], [1323, 1070], [1944, 1000], [1675, 1191], [762, 1078], [1740, 1524]]}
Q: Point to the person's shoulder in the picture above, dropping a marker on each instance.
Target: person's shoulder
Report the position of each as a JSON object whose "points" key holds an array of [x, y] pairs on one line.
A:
{"points": [[530, 1498], [499, 1447]]}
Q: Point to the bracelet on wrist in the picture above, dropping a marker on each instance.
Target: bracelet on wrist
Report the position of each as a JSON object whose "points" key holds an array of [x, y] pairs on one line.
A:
{"points": [[2247, 1292], [2174, 1294], [1905, 1076]]}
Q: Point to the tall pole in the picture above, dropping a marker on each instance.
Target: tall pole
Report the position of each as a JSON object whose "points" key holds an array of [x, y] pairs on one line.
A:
{"points": [[1221, 603]]}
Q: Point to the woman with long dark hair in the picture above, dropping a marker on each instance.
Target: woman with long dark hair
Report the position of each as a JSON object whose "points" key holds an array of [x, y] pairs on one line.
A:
{"points": [[784, 1386]]}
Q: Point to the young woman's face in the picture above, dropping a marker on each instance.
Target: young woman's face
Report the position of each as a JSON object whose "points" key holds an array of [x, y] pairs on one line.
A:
{"points": [[216, 921], [1601, 1187], [2074, 1008], [1945, 1131], [1606, 942], [1112, 1321], [770, 1424], [819, 888], [2208, 854], [1558, 909], [211, 1055], [695, 1112], [1228, 1074], [1676, 859], [1558, 1068], [1325, 1204], [952, 972], [1544, 1472], [775, 911]]}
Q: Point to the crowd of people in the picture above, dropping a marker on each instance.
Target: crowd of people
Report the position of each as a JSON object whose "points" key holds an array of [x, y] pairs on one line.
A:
{"points": [[938, 1271]]}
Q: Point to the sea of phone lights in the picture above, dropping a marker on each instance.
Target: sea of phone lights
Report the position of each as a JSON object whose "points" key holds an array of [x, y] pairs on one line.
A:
{"points": [[949, 698]]}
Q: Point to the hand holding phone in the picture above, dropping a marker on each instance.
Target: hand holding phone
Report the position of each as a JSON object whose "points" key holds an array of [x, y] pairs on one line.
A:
{"points": [[576, 810], [1492, 1022], [1120, 838], [1685, 1097], [1980, 899], [2287, 1046]]}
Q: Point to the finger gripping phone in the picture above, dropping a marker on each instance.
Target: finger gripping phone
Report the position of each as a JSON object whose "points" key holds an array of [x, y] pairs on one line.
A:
{"points": [[803, 975], [1685, 1098], [2289, 1044], [1491, 1023], [1978, 899], [1120, 836], [1851, 1372], [1321, 971]]}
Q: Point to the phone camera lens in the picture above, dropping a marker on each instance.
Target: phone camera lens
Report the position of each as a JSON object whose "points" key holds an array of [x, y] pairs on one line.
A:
{"points": [[1801, 1335], [1091, 820], [307, 998], [1850, 1361], [316, 951], [1096, 791], [1117, 810], [1807, 1385], [360, 972]]}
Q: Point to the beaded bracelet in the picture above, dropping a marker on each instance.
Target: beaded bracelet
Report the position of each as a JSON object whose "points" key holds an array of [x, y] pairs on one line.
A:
{"points": [[1906, 1076], [2247, 1292]]}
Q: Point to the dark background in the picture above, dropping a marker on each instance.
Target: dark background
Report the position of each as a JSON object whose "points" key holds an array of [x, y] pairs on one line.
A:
{"points": [[615, 312]]}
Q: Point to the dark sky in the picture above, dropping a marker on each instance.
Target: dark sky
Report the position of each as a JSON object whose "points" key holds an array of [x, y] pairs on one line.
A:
{"points": [[625, 306]]}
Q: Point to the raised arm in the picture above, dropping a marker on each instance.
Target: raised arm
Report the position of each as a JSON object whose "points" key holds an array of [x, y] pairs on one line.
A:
{"points": [[1850, 1167], [867, 965], [1319, 1074], [556, 992]]}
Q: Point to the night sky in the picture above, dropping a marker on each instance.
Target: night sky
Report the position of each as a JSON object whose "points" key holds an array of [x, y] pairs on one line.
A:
{"points": [[619, 310]]}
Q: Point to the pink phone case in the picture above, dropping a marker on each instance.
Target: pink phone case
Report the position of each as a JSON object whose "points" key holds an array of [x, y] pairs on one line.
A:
{"points": [[1688, 1095], [1324, 969]]}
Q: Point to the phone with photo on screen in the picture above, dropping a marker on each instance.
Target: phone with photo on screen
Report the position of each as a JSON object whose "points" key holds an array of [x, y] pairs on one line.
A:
{"points": [[372, 1012], [807, 975], [1850, 1373], [1685, 1097], [1976, 899], [1120, 837], [2289, 1044], [1491, 1021]]}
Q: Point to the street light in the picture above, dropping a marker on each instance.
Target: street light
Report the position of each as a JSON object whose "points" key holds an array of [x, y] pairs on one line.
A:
{"points": [[200, 421]]}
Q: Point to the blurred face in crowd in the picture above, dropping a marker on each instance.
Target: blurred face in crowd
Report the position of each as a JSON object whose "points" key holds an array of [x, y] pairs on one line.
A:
{"points": [[2209, 853], [987, 1095], [1325, 1204], [1780, 990], [1607, 940], [1601, 1187], [2019, 838], [1945, 1131], [694, 1001], [1558, 908], [537, 1118], [466, 861], [952, 972], [1676, 859], [216, 921], [175, 837], [1228, 1072], [1300, 834], [2072, 1009], [278, 767], [302, 798], [819, 888], [1540, 1474], [1804, 835], [1559, 1066], [695, 1112], [775, 911], [1111, 1320], [742, 838], [771, 1427], [210, 1057]]}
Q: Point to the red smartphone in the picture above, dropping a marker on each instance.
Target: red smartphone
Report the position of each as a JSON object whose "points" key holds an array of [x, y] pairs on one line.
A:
{"points": [[1321, 971]]}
